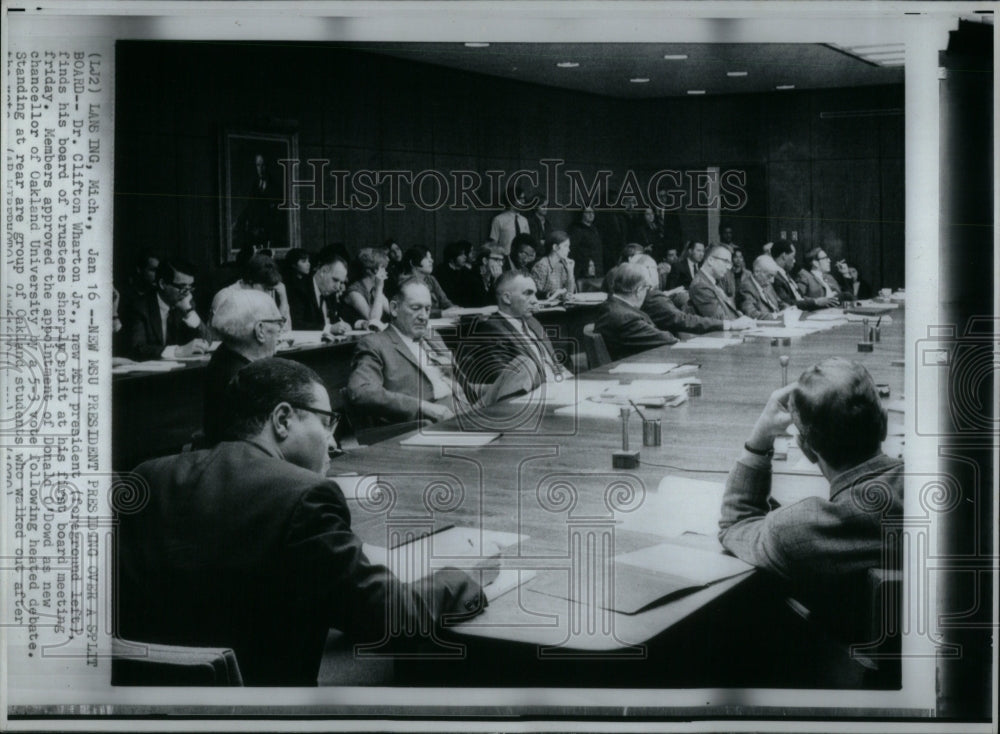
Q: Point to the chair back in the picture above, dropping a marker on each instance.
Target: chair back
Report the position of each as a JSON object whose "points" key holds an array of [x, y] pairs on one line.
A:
{"points": [[597, 350], [135, 663]]}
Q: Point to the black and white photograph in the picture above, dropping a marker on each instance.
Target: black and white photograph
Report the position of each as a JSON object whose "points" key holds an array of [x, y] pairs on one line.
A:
{"points": [[505, 365]]}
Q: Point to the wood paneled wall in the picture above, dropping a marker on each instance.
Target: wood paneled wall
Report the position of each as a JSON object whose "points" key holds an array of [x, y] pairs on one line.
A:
{"points": [[837, 180]]}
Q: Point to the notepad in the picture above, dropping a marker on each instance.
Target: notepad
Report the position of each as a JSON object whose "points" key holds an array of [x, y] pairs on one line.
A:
{"points": [[464, 311], [449, 438], [643, 368], [591, 297]]}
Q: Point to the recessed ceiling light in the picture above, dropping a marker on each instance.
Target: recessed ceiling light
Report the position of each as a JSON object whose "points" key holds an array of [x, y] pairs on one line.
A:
{"points": [[675, 57], [785, 86], [476, 44], [736, 73], [567, 64], [696, 91], [639, 80]]}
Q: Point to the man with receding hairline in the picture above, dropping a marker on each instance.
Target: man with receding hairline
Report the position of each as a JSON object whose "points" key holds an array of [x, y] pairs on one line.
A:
{"points": [[757, 298], [620, 321], [406, 372]]}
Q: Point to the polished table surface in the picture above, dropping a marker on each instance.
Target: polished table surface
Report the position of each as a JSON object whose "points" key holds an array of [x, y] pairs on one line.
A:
{"points": [[551, 480]]}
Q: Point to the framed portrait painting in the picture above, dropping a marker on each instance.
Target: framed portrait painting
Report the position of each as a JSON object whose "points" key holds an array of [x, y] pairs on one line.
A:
{"points": [[252, 191]]}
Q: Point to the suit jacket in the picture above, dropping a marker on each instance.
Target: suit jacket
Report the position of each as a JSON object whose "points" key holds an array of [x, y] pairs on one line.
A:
{"points": [[708, 299], [386, 384], [783, 287], [492, 343], [305, 310], [819, 545], [810, 286], [539, 229], [681, 275], [235, 547], [627, 330], [224, 364], [586, 246], [756, 301], [666, 316], [146, 339]]}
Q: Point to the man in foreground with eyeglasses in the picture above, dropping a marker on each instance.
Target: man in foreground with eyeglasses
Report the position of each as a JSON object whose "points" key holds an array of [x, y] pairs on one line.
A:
{"points": [[249, 324], [249, 546], [707, 295], [163, 324]]}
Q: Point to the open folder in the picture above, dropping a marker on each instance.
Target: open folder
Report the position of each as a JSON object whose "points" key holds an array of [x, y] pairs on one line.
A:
{"points": [[646, 578]]}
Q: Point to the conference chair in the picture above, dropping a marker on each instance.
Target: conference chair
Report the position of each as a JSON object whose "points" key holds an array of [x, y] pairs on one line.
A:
{"points": [[597, 350], [135, 663]]}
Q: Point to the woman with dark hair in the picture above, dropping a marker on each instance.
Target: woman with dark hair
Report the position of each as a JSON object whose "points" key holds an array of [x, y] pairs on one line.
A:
{"points": [[454, 274], [553, 274], [365, 299], [418, 263]]}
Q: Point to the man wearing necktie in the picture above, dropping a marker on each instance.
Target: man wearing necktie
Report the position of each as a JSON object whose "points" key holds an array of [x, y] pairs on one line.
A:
{"points": [[508, 352], [757, 297], [509, 223], [406, 372], [707, 296], [817, 282], [783, 253]]}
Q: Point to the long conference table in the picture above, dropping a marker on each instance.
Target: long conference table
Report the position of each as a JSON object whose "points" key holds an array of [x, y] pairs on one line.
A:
{"points": [[548, 478]]}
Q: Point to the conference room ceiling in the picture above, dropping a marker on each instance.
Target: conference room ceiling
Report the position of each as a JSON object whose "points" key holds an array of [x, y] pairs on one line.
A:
{"points": [[608, 68]]}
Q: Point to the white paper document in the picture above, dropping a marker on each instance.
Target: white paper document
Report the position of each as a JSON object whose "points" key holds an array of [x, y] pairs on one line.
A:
{"points": [[152, 365], [679, 505], [449, 438], [704, 342], [643, 368]]}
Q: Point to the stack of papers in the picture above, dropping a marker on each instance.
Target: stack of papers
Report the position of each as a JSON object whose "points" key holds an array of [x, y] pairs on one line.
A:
{"points": [[826, 314], [153, 365], [565, 392], [858, 318], [460, 311], [645, 393], [643, 368], [593, 297]]}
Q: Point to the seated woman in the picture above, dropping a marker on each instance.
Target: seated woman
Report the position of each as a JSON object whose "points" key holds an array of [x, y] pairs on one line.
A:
{"points": [[365, 299], [553, 274], [455, 275], [418, 263]]}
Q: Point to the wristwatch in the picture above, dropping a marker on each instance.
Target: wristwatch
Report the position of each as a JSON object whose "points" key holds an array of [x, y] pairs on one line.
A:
{"points": [[759, 452]]}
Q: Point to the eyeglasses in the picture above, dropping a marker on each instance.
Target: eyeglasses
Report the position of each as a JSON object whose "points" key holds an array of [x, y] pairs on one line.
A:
{"points": [[722, 259], [824, 257], [333, 419], [184, 288], [280, 321]]}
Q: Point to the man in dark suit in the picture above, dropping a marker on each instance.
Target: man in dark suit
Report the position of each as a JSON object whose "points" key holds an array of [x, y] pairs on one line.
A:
{"points": [[406, 372], [815, 279], [757, 298], [707, 296], [783, 253], [509, 350], [163, 323], [314, 302], [684, 271], [249, 546], [249, 323], [668, 317], [620, 321]]}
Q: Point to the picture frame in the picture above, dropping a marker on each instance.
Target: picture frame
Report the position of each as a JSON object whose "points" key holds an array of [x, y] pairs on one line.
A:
{"points": [[252, 191]]}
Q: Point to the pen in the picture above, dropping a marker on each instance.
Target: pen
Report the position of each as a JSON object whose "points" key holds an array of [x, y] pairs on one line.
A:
{"points": [[425, 535], [636, 408]]}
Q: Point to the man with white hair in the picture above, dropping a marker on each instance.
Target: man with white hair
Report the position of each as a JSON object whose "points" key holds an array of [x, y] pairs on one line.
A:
{"points": [[249, 323], [626, 330], [756, 295]]}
